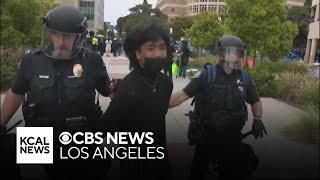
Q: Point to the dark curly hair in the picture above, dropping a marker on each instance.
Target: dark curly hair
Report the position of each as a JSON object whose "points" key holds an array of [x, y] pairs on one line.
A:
{"points": [[150, 31]]}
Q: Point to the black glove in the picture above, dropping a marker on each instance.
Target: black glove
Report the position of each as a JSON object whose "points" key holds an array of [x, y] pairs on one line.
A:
{"points": [[258, 128]]}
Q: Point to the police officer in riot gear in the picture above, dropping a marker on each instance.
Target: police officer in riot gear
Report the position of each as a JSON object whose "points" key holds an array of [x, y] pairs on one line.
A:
{"points": [[60, 79], [223, 113]]}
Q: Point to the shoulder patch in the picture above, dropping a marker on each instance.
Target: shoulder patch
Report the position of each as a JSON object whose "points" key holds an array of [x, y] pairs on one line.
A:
{"points": [[197, 75], [36, 51], [19, 63], [253, 82]]}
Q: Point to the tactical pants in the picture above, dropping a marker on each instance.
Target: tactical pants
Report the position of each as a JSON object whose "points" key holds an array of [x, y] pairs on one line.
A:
{"points": [[8, 157], [236, 160], [146, 169]]}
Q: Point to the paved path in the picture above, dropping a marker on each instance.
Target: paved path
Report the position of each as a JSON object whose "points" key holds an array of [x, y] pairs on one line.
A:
{"points": [[279, 156]]}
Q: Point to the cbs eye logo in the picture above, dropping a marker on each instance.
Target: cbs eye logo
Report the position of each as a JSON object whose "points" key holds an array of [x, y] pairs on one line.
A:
{"points": [[65, 138]]}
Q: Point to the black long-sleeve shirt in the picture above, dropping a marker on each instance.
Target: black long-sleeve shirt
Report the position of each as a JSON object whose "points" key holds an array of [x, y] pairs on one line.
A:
{"points": [[137, 108]]}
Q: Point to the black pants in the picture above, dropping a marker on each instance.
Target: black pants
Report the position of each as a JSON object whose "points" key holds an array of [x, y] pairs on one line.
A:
{"points": [[146, 169], [8, 157], [235, 159]]}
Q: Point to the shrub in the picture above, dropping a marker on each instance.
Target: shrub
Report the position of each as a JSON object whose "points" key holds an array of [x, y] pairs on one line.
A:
{"points": [[264, 81], [306, 128], [298, 89], [9, 63], [200, 61], [7, 75], [265, 73]]}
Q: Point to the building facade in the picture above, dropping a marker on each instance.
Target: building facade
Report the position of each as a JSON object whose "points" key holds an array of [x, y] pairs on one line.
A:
{"points": [[92, 9], [313, 42], [176, 8]]}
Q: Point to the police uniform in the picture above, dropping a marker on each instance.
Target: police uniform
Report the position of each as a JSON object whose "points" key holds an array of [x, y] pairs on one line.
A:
{"points": [[61, 89], [222, 115], [139, 107]]}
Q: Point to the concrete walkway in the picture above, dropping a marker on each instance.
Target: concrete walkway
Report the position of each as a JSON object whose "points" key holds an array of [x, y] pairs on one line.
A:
{"points": [[279, 156]]}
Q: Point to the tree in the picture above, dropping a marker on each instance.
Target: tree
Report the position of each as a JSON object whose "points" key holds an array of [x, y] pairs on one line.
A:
{"points": [[180, 23], [138, 16], [21, 26], [262, 25], [21, 22], [301, 16], [206, 30]]}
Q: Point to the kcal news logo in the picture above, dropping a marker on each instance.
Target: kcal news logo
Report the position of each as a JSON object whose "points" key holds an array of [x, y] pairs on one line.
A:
{"points": [[34, 145]]}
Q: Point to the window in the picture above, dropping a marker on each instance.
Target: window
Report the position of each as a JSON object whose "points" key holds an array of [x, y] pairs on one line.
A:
{"points": [[221, 0], [221, 9], [195, 9], [203, 8], [212, 8], [189, 11]]}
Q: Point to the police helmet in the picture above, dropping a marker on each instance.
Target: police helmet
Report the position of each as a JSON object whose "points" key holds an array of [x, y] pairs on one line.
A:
{"points": [[65, 21], [231, 51]]}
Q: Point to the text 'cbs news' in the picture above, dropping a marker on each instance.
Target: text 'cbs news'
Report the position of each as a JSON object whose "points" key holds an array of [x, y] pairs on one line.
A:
{"points": [[35, 145]]}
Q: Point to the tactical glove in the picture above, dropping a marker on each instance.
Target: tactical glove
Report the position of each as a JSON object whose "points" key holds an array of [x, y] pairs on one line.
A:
{"points": [[258, 128]]}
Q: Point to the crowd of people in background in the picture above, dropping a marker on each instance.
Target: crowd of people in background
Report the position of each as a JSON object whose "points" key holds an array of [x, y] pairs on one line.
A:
{"points": [[178, 52], [103, 45]]}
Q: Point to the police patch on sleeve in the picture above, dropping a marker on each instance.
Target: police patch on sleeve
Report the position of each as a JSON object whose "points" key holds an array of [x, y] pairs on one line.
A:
{"points": [[197, 75], [19, 64]]}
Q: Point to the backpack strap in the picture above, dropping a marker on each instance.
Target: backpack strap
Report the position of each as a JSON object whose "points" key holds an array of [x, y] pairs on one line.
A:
{"points": [[244, 76], [212, 74]]}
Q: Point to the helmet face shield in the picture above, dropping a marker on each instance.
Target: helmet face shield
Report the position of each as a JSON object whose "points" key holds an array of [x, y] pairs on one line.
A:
{"points": [[232, 57], [59, 45]]}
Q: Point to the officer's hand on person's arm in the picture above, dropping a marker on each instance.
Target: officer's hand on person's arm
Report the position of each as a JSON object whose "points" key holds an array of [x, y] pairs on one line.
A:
{"points": [[178, 98], [113, 87]]}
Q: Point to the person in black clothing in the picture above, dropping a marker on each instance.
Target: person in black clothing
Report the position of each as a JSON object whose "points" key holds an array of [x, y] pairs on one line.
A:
{"points": [[185, 55], [223, 113], [168, 65], [142, 98], [60, 80]]}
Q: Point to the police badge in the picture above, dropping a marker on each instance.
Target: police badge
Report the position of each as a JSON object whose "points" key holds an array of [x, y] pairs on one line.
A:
{"points": [[77, 70]]}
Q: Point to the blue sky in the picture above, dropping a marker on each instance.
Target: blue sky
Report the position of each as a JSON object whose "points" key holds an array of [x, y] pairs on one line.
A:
{"points": [[113, 9]]}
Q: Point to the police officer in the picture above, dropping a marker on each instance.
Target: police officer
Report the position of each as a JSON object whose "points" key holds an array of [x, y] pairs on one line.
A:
{"points": [[224, 89], [60, 79]]}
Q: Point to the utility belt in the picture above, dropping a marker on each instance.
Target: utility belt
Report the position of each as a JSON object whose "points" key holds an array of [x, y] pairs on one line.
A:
{"points": [[221, 120], [71, 124]]}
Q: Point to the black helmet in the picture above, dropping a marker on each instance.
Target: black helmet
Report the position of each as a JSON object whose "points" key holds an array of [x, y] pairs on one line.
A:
{"points": [[230, 41], [65, 22], [231, 51], [65, 19]]}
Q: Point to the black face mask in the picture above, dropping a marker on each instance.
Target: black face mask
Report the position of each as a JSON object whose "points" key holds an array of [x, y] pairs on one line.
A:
{"points": [[153, 66]]}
